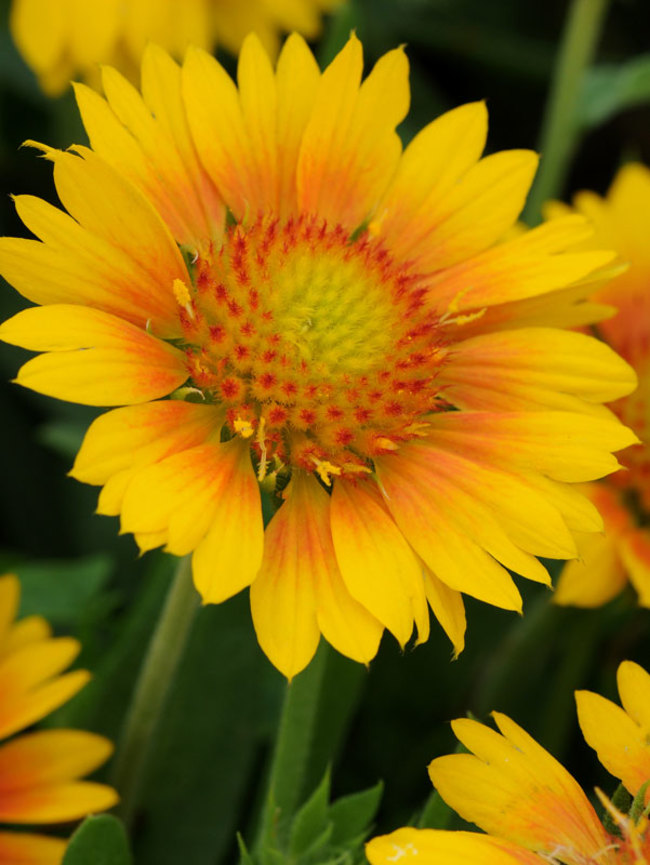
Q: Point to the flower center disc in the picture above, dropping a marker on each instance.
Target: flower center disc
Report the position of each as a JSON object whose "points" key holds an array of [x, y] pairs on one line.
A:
{"points": [[316, 343]]}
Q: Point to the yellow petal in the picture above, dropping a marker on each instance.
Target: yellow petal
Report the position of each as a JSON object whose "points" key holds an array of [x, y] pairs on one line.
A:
{"points": [[448, 608], [24, 848], [9, 599], [450, 553], [432, 164], [634, 688], [178, 496], [595, 577], [136, 436], [220, 136], [50, 756], [378, 567], [57, 803], [28, 630], [343, 621], [350, 149], [634, 549], [621, 744], [283, 597], [221, 564], [429, 846], [73, 265], [94, 358], [512, 788], [107, 205], [565, 446], [28, 707], [297, 80], [533, 368]]}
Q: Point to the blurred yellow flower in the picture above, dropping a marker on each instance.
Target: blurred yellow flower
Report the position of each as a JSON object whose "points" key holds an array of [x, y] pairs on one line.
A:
{"points": [[39, 771], [355, 340], [65, 39], [608, 561], [532, 809]]}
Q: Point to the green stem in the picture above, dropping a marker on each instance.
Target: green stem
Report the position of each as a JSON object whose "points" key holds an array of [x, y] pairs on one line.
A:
{"points": [[293, 746], [560, 129], [151, 690]]}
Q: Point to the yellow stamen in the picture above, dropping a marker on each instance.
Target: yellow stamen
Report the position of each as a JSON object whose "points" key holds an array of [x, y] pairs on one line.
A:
{"points": [[355, 467], [454, 306], [244, 428], [259, 438], [182, 295], [325, 470], [386, 444]]}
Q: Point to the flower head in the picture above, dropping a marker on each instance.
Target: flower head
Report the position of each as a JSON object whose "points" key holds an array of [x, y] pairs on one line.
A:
{"points": [[63, 39], [39, 771], [607, 562], [531, 808], [342, 328]]}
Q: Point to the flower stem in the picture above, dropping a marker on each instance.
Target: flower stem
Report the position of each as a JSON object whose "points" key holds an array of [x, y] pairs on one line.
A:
{"points": [[329, 688], [560, 128], [152, 687]]}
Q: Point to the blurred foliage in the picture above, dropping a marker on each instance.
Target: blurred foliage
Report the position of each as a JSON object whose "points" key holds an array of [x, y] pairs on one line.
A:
{"points": [[99, 841], [320, 833], [213, 749]]}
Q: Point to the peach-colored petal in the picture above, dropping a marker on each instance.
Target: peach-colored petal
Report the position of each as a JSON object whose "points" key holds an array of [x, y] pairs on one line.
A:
{"points": [[343, 621], [283, 597], [533, 368], [221, 138], [350, 149], [634, 549], [439, 539], [92, 357], [122, 442], [25, 848], [48, 757], [57, 803], [514, 270], [378, 567], [222, 565], [512, 788], [178, 496], [147, 140], [430, 167], [564, 446]]}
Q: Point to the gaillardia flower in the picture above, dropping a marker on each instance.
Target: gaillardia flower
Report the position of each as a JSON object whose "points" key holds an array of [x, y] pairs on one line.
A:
{"points": [[39, 771], [341, 327], [63, 39], [623, 552], [532, 809]]}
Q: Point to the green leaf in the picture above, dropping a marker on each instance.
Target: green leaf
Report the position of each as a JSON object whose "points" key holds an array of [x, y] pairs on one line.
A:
{"points": [[436, 814], [610, 89], [99, 841], [351, 815], [245, 857], [311, 821], [220, 715], [61, 590]]}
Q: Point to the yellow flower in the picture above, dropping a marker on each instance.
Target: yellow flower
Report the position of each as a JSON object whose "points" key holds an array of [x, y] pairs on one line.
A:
{"points": [[532, 809], [352, 337], [39, 771], [608, 561], [64, 39]]}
